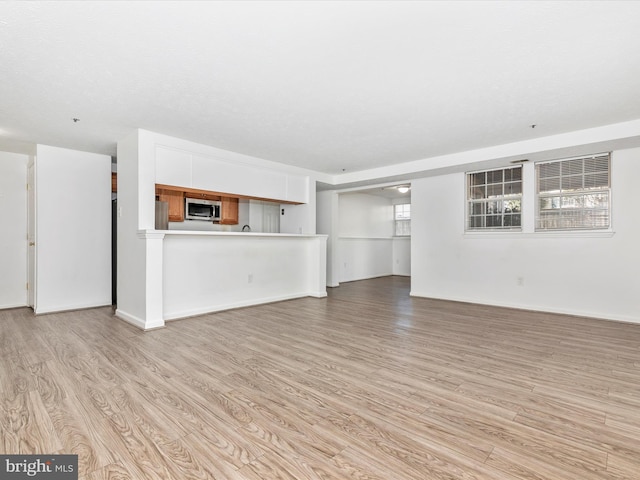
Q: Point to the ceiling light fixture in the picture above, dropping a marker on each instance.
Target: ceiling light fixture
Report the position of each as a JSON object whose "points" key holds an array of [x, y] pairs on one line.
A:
{"points": [[403, 189]]}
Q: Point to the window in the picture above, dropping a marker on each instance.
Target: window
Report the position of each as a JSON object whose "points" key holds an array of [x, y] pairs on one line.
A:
{"points": [[574, 193], [403, 219], [494, 199]]}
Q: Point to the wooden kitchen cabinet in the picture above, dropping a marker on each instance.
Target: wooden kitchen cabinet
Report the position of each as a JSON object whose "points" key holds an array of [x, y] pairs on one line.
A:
{"points": [[203, 196], [175, 196], [175, 199], [229, 211]]}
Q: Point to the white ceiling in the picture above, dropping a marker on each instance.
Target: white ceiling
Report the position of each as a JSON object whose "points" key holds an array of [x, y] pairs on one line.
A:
{"points": [[330, 86]]}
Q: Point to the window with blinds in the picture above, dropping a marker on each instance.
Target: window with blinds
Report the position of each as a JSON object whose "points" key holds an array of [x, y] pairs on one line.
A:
{"points": [[402, 214], [574, 194], [494, 199]]}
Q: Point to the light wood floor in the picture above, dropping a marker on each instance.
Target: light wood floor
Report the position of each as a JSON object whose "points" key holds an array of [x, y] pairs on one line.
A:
{"points": [[367, 384]]}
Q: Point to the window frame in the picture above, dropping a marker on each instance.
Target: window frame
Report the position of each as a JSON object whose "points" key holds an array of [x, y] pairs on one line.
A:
{"points": [[397, 220], [574, 193], [469, 201]]}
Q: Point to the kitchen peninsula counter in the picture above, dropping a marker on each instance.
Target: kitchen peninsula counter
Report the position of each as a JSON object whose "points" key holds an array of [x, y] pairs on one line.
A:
{"points": [[205, 271]]}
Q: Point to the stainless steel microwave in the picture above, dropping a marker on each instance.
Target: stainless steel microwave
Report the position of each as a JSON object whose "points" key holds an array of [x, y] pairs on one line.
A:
{"points": [[197, 209]]}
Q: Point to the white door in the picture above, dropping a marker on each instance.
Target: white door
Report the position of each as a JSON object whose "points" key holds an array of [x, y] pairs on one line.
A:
{"points": [[271, 217], [31, 236]]}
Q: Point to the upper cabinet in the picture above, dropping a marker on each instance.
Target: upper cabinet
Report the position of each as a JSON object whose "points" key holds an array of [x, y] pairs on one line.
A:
{"points": [[211, 174], [173, 167], [229, 211], [297, 189], [267, 184], [202, 195], [175, 199], [185, 169]]}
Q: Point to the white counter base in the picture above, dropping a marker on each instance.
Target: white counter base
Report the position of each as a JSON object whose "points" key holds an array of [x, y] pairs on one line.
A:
{"points": [[204, 272]]}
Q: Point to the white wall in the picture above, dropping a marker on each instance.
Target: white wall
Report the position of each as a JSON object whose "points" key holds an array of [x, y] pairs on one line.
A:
{"points": [[362, 258], [327, 217], [401, 256], [365, 245], [131, 268], [364, 215], [13, 240], [584, 274], [73, 229]]}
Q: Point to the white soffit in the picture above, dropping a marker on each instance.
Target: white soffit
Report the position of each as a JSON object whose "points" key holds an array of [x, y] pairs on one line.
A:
{"points": [[335, 87]]}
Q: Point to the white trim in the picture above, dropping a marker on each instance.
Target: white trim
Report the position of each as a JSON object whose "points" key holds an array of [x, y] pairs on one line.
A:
{"points": [[573, 233], [138, 322], [368, 238], [207, 233], [320, 294], [549, 147], [500, 198], [70, 308], [249, 303], [540, 234], [9, 305], [573, 158], [578, 193], [518, 306], [152, 234], [369, 277]]}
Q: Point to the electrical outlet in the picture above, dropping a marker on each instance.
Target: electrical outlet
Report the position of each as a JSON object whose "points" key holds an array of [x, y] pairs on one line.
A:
{"points": [[520, 281], [250, 278]]}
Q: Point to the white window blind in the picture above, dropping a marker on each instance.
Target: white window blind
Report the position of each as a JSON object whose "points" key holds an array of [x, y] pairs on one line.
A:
{"points": [[494, 199], [574, 194]]}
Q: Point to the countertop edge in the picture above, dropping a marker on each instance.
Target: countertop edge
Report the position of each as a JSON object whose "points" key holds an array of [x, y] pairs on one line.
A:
{"points": [[167, 233]]}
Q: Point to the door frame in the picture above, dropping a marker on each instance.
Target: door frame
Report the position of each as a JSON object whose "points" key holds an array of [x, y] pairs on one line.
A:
{"points": [[31, 235]]}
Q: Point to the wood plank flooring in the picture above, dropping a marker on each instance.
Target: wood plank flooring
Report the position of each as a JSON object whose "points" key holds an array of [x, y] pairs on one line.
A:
{"points": [[365, 384]]}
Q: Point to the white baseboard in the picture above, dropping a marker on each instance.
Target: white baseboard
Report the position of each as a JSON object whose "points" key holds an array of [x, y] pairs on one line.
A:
{"points": [[138, 322], [535, 308], [317, 294], [69, 308], [247, 303], [366, 277], [13, 305]]}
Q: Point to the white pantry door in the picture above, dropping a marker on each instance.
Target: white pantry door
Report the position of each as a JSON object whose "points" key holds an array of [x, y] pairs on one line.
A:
{"points": [[271, 217]]}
